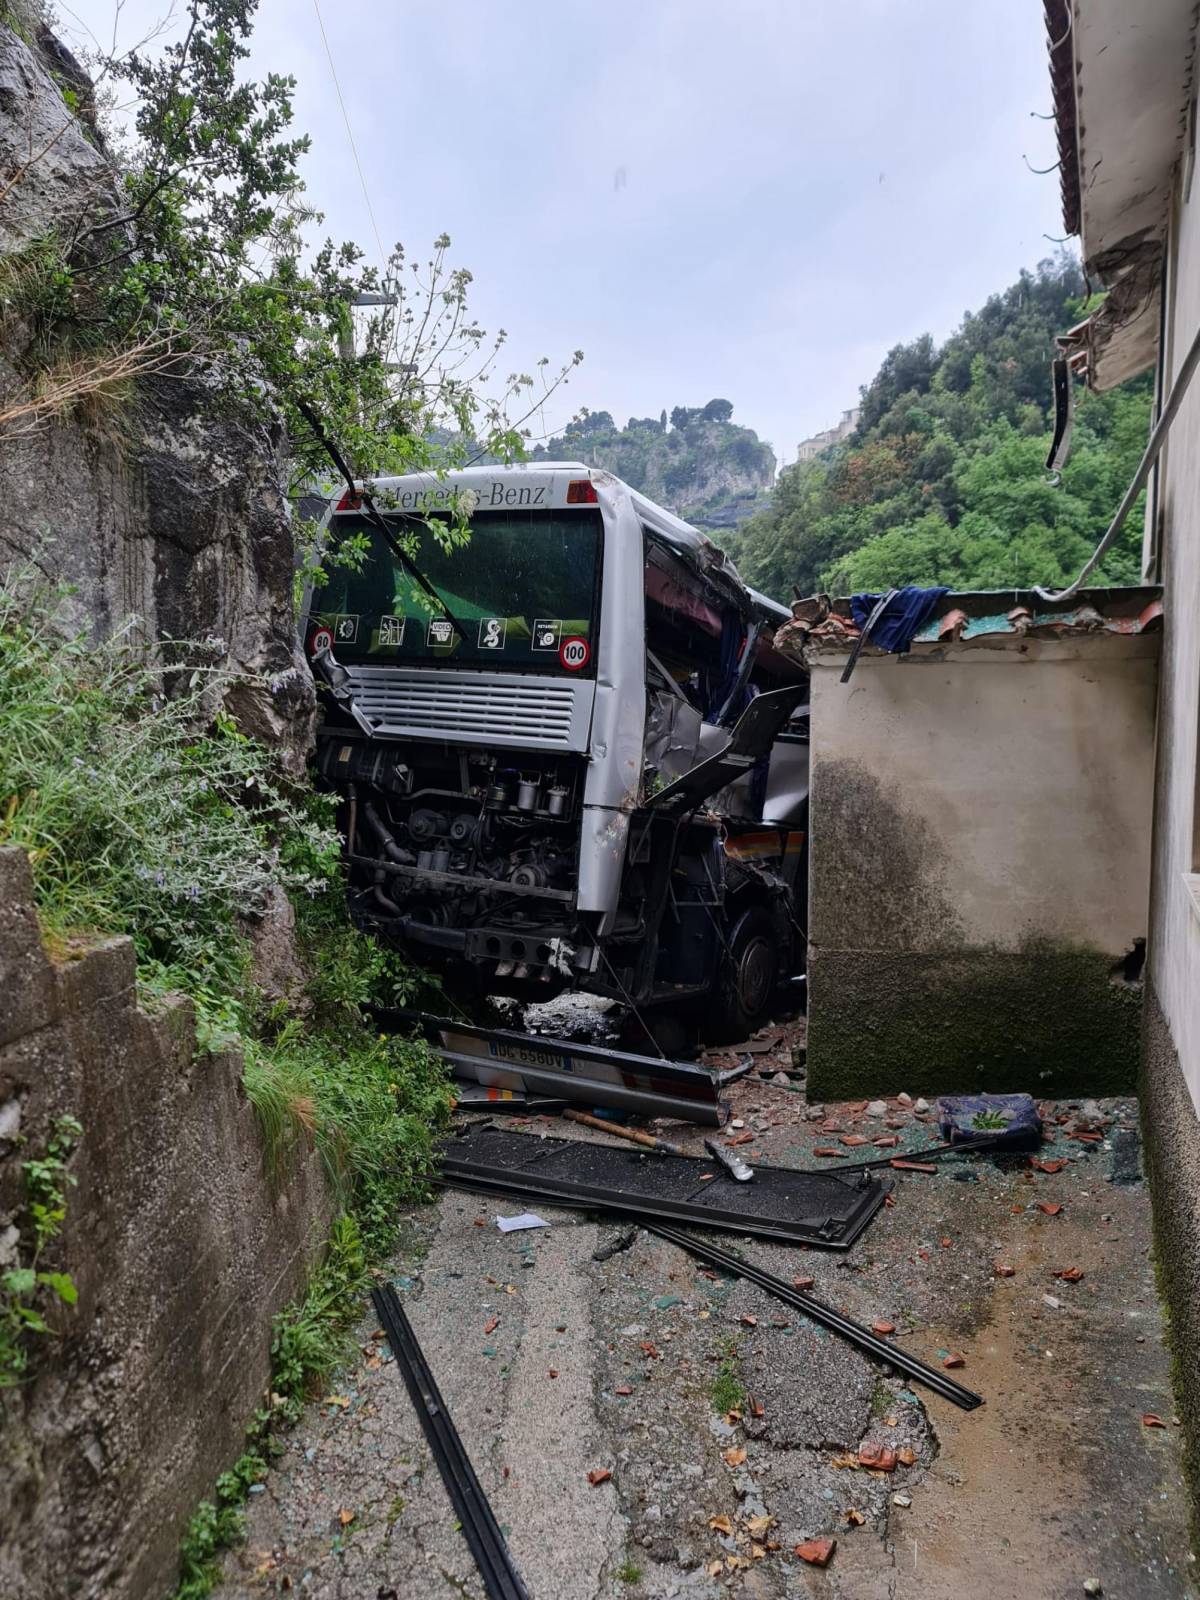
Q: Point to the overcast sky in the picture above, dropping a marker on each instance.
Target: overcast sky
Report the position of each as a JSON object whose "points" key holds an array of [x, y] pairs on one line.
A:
{"points": [[751, 199]]}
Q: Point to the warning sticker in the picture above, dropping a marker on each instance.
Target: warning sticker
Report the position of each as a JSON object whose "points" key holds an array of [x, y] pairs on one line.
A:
{"points": [[547, 631]]}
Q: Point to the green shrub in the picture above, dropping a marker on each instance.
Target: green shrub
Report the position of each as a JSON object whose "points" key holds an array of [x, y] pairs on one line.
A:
{"points": [[141, 805]]}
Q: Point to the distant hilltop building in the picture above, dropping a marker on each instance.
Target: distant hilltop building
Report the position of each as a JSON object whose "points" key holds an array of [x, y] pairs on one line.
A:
{"points": [[823, 441]]}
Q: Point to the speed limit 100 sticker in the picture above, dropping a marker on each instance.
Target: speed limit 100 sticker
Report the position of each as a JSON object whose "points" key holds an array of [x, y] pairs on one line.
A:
{"points": [[574, 653]]}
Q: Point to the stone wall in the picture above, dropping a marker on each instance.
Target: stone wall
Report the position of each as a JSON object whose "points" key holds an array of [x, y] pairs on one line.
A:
{"points": [[182, 1247]]}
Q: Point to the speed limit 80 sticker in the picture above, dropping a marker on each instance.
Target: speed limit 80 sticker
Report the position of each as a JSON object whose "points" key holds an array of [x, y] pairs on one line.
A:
{"points": [[574, 653]]}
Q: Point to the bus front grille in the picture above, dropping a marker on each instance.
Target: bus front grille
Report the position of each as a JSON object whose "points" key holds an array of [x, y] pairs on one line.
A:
{"points": [[510, 709]]}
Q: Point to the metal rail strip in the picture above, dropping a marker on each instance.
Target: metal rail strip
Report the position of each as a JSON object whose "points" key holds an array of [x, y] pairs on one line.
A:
{"points": [[523, 1183], [912, 1366], [478, 1522], [561, 1069]]}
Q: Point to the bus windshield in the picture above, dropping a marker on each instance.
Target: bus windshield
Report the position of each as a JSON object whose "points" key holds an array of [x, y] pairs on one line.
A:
{"points": [[524, 591]]}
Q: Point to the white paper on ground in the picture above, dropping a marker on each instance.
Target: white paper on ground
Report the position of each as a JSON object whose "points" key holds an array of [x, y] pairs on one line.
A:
{"points": [[525, 1220]]}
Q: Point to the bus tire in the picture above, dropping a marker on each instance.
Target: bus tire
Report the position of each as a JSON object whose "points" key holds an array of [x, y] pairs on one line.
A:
{"points": [[749, 973]]}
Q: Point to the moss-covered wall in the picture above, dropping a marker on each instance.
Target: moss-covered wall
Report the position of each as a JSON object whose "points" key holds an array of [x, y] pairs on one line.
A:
{"points": [[979, 866], [1171, 1138], [1046, 1019]]}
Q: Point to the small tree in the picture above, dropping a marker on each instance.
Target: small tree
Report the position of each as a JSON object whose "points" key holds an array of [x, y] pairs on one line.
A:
{"points": [[204, 260]]}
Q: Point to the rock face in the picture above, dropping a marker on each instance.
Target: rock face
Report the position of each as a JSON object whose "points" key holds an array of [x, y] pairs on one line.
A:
{"points": [[53, 155], [705, 468], [168, 508]]}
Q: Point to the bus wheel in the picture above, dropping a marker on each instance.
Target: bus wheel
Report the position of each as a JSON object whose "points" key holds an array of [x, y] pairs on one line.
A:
{"points": [[750, 972]]}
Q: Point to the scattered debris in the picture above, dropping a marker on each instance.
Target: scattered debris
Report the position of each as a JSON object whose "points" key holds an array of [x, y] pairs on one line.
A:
{"points": [[650, 1140], [738, 1170], [877, 1457], [817, 1552], [598, 1475], [527, 1219], [1050, 1207], [880, 1326], [618, 1242], [877, 1108], [902, 1500], [1151, 1419], [818, 1311], [1092, 1586], [1011, 1120], [1003, 1270], [1070, 1274]]}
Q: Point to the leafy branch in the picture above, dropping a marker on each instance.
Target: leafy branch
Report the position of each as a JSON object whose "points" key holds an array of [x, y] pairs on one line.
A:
{"points": [[26, 1288]]}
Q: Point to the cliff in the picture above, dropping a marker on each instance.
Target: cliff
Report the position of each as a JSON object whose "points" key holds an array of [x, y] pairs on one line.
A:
{"points": [[698, 462]]}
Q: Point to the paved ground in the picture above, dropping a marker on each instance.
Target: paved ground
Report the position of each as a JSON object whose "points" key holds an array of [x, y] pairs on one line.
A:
{"points": [[647, 1368]]}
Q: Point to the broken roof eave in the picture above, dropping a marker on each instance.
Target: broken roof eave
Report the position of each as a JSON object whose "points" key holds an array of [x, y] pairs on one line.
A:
{"points": [[1121, 78], [992, 617]]}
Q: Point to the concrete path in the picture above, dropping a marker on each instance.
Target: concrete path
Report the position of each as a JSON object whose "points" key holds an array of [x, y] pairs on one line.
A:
{"points": [[646, 1367]]}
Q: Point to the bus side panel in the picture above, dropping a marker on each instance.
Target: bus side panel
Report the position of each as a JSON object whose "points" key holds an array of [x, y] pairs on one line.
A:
{"points": [[614, 777]]}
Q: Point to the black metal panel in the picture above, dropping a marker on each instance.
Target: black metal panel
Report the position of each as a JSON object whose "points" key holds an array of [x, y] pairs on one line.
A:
{"points": [[817, 1208]]}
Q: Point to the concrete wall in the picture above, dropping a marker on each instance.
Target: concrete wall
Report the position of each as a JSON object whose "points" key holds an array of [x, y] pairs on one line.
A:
{"points": [[1175, 923], [1170, 1086], [979, 863], [181, 1247]]}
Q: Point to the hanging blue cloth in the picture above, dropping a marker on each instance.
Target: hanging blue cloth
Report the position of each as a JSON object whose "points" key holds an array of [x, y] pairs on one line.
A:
{"points": [[905, 614]]}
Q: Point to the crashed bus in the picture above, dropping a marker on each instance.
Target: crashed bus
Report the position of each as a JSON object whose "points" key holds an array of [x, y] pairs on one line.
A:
{"points": [[565, 752]]}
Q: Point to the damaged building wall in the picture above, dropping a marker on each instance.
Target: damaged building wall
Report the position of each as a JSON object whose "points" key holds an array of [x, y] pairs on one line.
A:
{"points": [[980, 865], [181, 1244]]}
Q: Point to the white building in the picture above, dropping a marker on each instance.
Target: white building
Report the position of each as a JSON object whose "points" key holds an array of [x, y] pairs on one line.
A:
{"points": [[1125, 87], [808, 448]]}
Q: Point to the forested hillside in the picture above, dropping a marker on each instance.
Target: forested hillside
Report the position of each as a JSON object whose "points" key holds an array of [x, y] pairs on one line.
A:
{"points": [[698, 462], [944, 480]]}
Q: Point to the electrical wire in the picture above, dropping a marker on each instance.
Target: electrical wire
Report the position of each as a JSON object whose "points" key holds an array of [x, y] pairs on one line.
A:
{"points": [[1157, 439], [383, 260]]}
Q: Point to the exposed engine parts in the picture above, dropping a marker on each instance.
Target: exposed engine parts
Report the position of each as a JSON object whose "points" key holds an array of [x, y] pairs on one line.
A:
{"points": [[461, 848]]}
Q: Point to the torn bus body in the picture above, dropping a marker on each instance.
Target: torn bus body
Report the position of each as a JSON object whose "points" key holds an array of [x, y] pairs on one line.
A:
{"points": [[566, 753]]}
